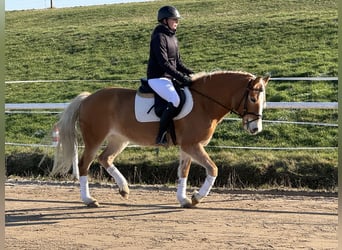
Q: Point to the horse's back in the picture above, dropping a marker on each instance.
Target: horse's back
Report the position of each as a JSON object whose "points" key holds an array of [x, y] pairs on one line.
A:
{"points": [[105, 104], [110, 111], [109, 98]]}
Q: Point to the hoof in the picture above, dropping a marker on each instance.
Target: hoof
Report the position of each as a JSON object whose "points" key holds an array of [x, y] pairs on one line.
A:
{"points": [[124, 192], [186, 203], [196, 198], [93, 204]]}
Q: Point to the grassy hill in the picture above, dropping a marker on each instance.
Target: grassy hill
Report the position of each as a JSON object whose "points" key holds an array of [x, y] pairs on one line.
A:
{"points": [[110, 42], [283, 38]]}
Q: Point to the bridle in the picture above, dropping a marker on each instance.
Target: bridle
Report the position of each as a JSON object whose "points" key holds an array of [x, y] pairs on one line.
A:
{"points": [[244, 100], [245, 109]]}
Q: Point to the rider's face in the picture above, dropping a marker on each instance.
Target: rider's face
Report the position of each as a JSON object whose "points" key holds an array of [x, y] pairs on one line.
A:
{"points": [[172, 23]]}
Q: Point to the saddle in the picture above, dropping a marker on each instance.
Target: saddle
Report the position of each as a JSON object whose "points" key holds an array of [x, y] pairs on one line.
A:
{"points": [[149, 106], [159, 103]]}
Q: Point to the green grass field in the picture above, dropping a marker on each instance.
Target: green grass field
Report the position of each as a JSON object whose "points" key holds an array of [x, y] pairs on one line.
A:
{"points": [[110, 43]]}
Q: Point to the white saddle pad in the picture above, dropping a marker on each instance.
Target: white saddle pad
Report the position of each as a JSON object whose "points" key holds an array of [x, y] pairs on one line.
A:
{"points": [[144, 113]]}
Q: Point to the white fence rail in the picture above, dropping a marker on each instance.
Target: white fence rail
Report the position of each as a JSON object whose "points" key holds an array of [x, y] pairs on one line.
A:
{"points": [[269, 105], [312, 79]]}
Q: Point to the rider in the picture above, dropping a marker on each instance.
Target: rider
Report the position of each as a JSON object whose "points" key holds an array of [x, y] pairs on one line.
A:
{"points": [[165, 64]]}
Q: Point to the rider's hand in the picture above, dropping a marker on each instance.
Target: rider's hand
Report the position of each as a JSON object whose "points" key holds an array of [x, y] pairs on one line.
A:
{"points": [[186, 81]]}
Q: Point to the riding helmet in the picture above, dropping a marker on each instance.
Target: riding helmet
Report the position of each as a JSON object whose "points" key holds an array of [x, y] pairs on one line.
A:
{"points": [[168, 12]]}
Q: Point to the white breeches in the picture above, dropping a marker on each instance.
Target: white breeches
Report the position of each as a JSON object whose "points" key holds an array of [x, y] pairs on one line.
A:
{"points": [[165, 89]]}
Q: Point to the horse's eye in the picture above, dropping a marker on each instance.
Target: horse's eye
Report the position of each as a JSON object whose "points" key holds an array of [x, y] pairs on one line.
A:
{"points": [[253, 99]]}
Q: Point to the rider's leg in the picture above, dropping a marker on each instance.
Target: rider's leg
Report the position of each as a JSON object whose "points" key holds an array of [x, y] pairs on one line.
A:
{"points": [[165, 89], [165, 121]]}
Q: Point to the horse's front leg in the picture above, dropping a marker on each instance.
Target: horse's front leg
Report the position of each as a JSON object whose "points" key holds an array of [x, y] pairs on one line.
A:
{"points": [[198, 153], [183, 172]]}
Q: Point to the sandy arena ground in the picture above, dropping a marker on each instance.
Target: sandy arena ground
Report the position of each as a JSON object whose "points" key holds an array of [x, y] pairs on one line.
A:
{"points": [[42, 215]]}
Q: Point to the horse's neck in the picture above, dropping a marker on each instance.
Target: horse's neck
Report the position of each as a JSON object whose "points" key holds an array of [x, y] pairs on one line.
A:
{"points": [[208, 103], [220, 95]]}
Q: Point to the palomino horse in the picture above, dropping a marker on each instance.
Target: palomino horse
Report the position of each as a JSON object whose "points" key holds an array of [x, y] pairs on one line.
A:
{"points": [[108, 114]]}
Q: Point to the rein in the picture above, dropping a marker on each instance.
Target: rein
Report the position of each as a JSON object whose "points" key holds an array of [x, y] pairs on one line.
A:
{"points": [[244, 98], [211, 99]]}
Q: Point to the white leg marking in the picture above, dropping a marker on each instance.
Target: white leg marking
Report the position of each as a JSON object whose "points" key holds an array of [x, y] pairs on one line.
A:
{"points": [[120, 180], [181, 190], [208, 184], [118, 177], [85, 195]]}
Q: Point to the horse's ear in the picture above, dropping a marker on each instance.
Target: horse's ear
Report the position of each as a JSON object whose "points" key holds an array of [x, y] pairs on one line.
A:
{"points": [[266, 79]]}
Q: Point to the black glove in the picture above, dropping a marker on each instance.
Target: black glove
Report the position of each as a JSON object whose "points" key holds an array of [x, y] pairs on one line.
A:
{"points": [[186, 81]]}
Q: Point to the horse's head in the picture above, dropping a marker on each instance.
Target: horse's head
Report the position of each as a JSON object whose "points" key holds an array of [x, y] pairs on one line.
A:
{"points": [[247, 102], [253, 104]]}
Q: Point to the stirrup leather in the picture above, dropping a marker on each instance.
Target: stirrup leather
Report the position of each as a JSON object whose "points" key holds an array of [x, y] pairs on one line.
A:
{"points": [[161, 140]]}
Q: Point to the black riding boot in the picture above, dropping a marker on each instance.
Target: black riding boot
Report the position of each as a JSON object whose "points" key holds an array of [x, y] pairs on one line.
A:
{"points": [[165, 121]]}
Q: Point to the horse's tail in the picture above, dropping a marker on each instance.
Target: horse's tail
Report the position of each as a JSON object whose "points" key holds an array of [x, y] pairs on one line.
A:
{"points": [[66, 149]]}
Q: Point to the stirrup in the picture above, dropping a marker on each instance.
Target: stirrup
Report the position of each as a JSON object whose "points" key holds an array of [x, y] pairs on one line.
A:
{"points": [[162, 141]]}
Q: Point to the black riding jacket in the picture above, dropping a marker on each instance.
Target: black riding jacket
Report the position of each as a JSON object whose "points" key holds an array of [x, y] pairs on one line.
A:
{"points": [[164, 58]]}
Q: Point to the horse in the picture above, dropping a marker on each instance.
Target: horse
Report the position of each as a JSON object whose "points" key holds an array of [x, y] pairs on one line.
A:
{"points": [[108, 115]]}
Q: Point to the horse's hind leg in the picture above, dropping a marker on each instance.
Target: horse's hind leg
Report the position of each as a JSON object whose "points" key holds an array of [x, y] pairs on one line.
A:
{"points": [[114, 147], [198, 154], [84, 163], [183, 172]]}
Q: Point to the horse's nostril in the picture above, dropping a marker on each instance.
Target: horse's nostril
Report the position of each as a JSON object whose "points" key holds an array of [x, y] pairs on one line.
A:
{"points": [[254, 130]]}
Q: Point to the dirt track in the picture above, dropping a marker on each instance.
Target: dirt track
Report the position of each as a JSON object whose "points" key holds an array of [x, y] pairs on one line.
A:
{"points": [[51, 216]]}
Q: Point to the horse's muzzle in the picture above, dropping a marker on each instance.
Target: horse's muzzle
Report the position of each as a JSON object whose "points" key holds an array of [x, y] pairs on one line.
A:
{"points": [[253, 126]]}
